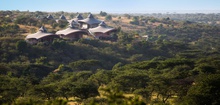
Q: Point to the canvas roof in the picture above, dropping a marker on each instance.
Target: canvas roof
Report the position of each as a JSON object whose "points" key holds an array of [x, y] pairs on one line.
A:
{"points": [[145, 36], [62, 17], [90, 20], [50, 16], [70, 29], [78, 17], [73, 23], [103, 28], [42, 32]]}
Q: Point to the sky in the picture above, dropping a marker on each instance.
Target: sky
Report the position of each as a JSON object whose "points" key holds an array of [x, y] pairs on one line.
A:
{"points": [[113, 6]]}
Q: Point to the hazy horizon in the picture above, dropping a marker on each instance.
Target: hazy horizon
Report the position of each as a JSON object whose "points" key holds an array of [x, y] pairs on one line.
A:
{"points": [[114, 6]]}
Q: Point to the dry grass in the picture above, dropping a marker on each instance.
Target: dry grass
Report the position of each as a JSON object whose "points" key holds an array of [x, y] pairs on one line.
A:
{"points": [[124, 23]]}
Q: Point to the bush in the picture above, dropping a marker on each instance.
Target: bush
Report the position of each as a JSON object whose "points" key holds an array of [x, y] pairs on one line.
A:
{"points": [[85, 65]]}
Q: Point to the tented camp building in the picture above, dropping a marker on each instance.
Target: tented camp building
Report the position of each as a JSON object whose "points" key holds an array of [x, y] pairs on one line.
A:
{"points": [[62, 17], [72, 32], [41, 36], [78, 17], [50, 16], [89, 22], [79, 28], [102, 31]]}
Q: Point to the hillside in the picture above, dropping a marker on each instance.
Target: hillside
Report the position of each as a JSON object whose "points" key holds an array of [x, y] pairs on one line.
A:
{"points": [[177, 64]]}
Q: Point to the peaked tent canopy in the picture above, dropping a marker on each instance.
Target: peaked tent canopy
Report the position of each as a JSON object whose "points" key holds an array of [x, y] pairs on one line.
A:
{"points": [[42, 32], [70, 30], [73, 24], [78, 17], [90, 20], [102, 28], [62, 17], [50, 16]]}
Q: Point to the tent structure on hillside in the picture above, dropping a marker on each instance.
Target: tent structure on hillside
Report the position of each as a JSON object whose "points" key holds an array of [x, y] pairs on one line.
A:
{"points": [[89, 22], [78, 28], [50, 16], [71, 32], [102, 31], [41, 36], [78, 17], [39, 17], [62, 17], [146, 37]]}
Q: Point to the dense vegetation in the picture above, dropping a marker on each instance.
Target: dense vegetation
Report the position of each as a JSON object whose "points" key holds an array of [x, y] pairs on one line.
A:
{"points": [[178, 64], [208, 18]]}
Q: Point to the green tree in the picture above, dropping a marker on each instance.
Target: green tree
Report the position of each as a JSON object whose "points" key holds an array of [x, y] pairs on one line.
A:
{"points": [[103, 13], [42, 60], [47, 88], [162, 87], [205, 91], [129, 80], [102, 77], [85, 65], [9, 89], [21, 46], [26, 20], [85, 89], [124, 38], [205, 68], [45, 91], [62, 23], [64, 89], [127, 15], [108, 17], [135, 20]]}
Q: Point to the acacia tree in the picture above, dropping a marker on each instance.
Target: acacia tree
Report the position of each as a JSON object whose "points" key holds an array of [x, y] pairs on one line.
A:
{"points": [[85, 89], [108, 17], [21, 46], [129, 80], [205, 91], [103, 13], [162, 87], [11, 88], [46, 89], [135, 20], [64, 89], [102, 77]]}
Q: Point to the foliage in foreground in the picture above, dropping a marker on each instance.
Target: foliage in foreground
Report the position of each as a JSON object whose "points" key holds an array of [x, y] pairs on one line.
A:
{"points": [[179, 64]]}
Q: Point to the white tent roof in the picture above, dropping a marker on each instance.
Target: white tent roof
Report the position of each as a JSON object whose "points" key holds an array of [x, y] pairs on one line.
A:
{"points": [[42, 32], [70, 29], [78, 17], [145, 36], [62, 17], [50, 16], [103, 28], [90, 20], [73, 23]]}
